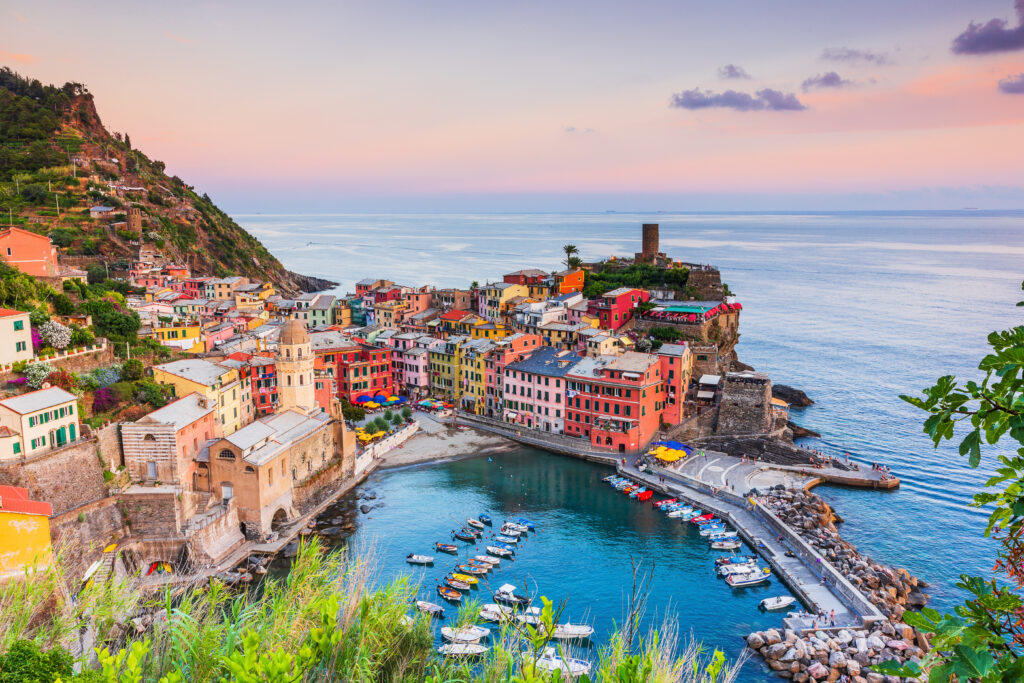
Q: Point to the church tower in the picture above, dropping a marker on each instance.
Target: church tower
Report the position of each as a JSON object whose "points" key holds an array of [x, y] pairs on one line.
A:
{"points": [[295, 369]]}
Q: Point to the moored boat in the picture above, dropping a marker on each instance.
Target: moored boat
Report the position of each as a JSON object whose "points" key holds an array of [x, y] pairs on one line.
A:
{"points": [[506, 539], [486, 519], [778, 602], [645, 496], [430, 608], [506, 594], [475, 523], [495, 612], [506, 546], [464, 536], [509, 531], [466, 634], [449, 593], [527, 523], [637, 491], [461, 650], [412, 558], [726, 544], [663, 502], [712, 529], [521, 528], [466, 578], [569, 631], [752, 578], [456, 584], [736, 559], [447, 548], [702, 518], [551, 660], [731, 569], [500, 552], [487, 559], [473, 569]]}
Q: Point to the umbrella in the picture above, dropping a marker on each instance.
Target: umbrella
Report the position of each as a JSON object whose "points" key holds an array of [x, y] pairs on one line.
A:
{"points": [[380, 398], [362, 399], [392, 398]]}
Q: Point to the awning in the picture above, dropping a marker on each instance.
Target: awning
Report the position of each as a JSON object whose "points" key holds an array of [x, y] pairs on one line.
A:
{"points": [[706, 394], [512, 415], [710, 379]]}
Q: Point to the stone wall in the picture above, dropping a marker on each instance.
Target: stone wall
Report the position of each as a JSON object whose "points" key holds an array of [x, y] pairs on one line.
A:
{"points": [[152, 513], [722, 330], [745, 406], [81, 535], [708, 284]]}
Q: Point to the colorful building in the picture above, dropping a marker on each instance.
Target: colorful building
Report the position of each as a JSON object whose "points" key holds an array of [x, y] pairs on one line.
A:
{"points": [[184, 336], [496, 299], [163, 445], [677, 371], [29, 252], [534, 389], [38, 421], [508, 350], [615, 308], [568, 281], [24, 533], [446, 367], [473, 375], [220, 384], [15, 337]]}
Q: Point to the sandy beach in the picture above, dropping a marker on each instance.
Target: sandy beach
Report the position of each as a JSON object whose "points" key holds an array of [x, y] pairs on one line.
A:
{"points": [[437, 442]]}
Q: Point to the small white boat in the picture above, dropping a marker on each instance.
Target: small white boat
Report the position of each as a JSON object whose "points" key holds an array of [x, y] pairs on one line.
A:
{"points": [[752, 578], [406, 620], [493, 561], [569, 631], [509, 531], [730, 569], [529, 615], [550, 660], [419, 559], [500, 552], [521, 528], [507, 539], [726, 544], [507, 594], [495, 613], [709, 530], [778, 602], [724, 534], [466, 634], [461, 650], [475, 523], [430, 608]]}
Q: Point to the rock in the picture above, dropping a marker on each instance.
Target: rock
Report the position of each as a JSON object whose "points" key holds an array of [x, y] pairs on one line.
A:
{"points": [[291, 550], [845, 637], [853, 667], [789, 656], [370, 495], [792, 396], [888, 630], [800, 677], [776, 651], [817, 670], [364, 508], [875, 643], [897, 645], [755, 641], [331, 531], [771, 637], [916, 599], [837, 660], [802, 432], [872, 677]]}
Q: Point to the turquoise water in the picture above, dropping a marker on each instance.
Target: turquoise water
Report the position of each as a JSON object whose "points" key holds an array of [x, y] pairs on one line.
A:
{"points": [[587, 534]]}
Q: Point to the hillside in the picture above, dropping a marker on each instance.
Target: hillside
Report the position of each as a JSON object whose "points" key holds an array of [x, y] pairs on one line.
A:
{"points": [[57, 160]]}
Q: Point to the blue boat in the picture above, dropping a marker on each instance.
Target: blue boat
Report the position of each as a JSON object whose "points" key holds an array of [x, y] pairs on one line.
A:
{"points": [[506, 546], [527, 523], [486, 519]]}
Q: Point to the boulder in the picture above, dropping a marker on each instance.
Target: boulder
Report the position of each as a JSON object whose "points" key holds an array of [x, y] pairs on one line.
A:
{"points": [[789, 656], [771, 637], [875, 643], [818, 671], [837, 660], [844, 637], [853, 667], [755, 641], [364, 508], [776, 651], [872, 677]]}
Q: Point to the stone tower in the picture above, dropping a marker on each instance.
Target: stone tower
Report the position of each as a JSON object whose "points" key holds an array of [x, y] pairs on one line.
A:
{"points": [[295, 369], [135, 220], [649, 244]]}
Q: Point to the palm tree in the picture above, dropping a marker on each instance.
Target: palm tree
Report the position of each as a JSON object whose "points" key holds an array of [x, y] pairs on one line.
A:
{"points": [[573, 262], [474, 285], [570, 251]]}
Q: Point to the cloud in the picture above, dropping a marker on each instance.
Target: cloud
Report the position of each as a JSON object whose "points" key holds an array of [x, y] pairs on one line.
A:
{"points": [[18, 17], [570, 129], [829, 80], [766, 99], [1012, 85], [993, 36], [854, 56], [178, 39], [731, 71], [17, 57]]}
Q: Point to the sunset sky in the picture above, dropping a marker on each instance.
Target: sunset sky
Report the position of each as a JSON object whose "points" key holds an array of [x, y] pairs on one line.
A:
{"points": [[522, 105]]}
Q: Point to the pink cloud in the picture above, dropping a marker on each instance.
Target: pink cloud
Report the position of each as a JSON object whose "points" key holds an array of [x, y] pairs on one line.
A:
{"points": [[17, 57]]}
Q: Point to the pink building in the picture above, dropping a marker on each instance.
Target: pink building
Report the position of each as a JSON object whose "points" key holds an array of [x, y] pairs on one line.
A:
{"points": [[410, 362], [534, 389], [507, 350]]}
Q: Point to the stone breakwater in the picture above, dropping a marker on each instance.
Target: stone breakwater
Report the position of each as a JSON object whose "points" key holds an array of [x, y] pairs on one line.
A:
{"points": [[817, 656]]}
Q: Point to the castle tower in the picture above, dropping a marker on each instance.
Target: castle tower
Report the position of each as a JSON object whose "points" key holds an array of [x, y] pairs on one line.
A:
{"points": [[650, 242], [295, 385], [135, 220]]}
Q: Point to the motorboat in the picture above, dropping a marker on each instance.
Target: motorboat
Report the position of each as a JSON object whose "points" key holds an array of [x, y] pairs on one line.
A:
{"points": [[521, 528], [486, 519], [466, 634], [473, 569], [461, 650], [529, 615], [456, 584], [702, 518], [731, 569], [681, 512], [506, 594], [464, 536], [664, 502], [551, 660], [449, 593], [727, 544], [777, 603], [610, 477], [487, 559], [645, 496], [430, 608], [495, 613], [713, 529], [506, 539], [412, 558], [500, 552], [696, 512], [569, 631], [736, 559], [447, 548], [636, 492], [509, 531], [475, 523], [752, 578], [527, 523], [723, 534], [709, 520], [503, 544], [466, 578]]}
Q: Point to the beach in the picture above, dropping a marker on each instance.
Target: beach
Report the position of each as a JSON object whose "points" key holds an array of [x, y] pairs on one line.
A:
{"points": [[439, 442]]}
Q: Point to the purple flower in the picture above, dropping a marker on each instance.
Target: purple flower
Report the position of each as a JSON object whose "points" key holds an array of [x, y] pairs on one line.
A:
{"points": [[37, 339]]}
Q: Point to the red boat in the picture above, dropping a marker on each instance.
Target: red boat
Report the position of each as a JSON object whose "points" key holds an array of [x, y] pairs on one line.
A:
{"points": [[702, 518], [646, 495], [667, 501]]}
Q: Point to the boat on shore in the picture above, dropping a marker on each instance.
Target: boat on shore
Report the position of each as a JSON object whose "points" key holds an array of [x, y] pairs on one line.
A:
{"points": [[777, 603], [412, 558]]}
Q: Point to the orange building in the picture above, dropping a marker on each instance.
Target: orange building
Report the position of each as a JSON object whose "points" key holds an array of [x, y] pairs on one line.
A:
{"points": [[568, 281], [24, 532], [30, 253]]}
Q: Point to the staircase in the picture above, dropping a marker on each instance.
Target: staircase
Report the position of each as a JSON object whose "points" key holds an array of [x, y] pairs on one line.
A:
{"points": [[204, 500], [106, 570]]}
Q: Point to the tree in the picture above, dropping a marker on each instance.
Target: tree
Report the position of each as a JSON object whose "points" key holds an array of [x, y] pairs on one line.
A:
{"points": [[983, 639], [570, 251], [397, 419], [56, 335], [474, 285], [574, 262], [406, 412], [133, 369]]}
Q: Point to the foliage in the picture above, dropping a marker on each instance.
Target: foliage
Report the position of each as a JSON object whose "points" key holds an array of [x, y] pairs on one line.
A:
{"points": [[56, 335], [406, 412], [111, 321], [983, 639], [37, 373], [20, 291], [397, 419], [63, 305], [64, 379], [570, 251], [105, 399], [25, 662], [641, 275], [352, 412], [665, 334], [152, 393], [100, 377], [133, 369], [81, 336]]}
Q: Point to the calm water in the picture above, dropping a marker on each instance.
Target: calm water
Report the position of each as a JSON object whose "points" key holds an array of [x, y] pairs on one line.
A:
{"points": [[854, 308]]}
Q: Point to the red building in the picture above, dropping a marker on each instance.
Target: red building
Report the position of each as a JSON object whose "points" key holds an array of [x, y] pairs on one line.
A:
{"points": [[357, 369], [615, 402], [261, 373], [196, 287], [676, 373], [529, 276], [31, 253], [615, 308]]}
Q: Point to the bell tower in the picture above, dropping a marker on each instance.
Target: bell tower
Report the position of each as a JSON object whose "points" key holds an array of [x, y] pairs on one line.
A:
{"points": [[295, 369]]}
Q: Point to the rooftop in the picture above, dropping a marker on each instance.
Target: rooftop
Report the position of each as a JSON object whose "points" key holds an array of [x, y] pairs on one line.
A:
{"points": [[547, 361], [266, 438], [195, 370], [38, 400], [5, 312], [672, 349], [620, 291], [180, 413]]}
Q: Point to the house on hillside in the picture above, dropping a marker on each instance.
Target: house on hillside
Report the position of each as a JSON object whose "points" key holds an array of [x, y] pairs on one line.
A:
{"points": [[29, 252]]}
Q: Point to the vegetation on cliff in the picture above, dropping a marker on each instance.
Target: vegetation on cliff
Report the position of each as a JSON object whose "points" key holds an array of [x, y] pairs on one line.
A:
{"points": [[642, 275], [57, 160]]}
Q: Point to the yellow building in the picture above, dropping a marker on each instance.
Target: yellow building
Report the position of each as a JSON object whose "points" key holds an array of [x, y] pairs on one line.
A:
{"points": [[388, 314], [218, 383], [153, 292], [184, 336], [446, 368], [473, 389], [497, 295], [15, 336], [38, 421], [484, 329], [24, 532]]}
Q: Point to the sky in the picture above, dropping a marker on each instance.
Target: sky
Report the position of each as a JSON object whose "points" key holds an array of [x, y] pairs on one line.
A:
{"points": [[553, 105]]}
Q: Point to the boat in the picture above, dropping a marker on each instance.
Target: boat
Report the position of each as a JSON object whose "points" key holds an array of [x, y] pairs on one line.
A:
{"points": [[430, 608], [464, 536], [610, 477], [752, 578], [494, 612], [663, 502], [702, 518], [529, 615], [449, 593], [636, 492], [506, 539], [521, 528], [569, 631], [475, 523], [500, 552], [706, 520], [473, 569], [778, 602], [506, 546], [736, 559], [645, 496], [723, 534], [466, 634], [713, 529], [456, 584], [93, 568], [507, 594], [509, 531], [730, 569], [527, 523], [461, 650], [486, 519], [551, 660], [412, 558], [447, 548], [466, 578], [726, 544], [630, 488], [487, 559], [696, 512], [681, 512]]}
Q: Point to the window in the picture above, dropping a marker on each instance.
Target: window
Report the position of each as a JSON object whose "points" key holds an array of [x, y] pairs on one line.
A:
{"points": [[17, 447], [20, 346], [149, 437], [19, 325], [226, 454]]}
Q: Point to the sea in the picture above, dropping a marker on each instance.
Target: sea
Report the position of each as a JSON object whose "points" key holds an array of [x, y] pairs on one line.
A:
{"points": [[855, 308]]}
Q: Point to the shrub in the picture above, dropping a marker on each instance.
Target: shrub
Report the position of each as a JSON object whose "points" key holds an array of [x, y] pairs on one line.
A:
{"points": [[105, 399], [133, 369], [389, 416], [37, 373], [25, 662], [406, 412], [397, 419], [56, 335], [64, 379], [37, 317], [134, 412], [37, 340], [81, 336], [352, 413], [152, 393], [63, 304]]}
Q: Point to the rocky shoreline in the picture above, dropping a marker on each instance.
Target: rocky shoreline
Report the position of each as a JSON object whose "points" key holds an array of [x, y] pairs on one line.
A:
{"points": [[819, 656]]}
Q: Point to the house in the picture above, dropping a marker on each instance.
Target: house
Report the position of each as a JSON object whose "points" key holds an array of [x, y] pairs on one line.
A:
{"points": [[183, 335], [529, 276], [24, 532], [163, 445], [505, 351], [496, 299], [105, 212], [568, 281], [31, 253], [615, 308], [677, 372], [473, 373], [534, 388], [15, 337], [446, 367], [221, 385], [38, 421], [224, 289]]}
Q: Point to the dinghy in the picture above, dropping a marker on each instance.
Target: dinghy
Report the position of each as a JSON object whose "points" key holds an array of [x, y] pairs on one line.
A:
{"points": [[466, 578], [509, 531], [664, 502], [475, 523], [466, 634], [504, 545], [645, 496], [681, 512], [495, 613], [702, 518], [487, 559], [610, 477], [461, 650], [412, 558], [778, 602], [473, 569], [724, 534], [569, 631], [726, 544], [521, 528], [731, 569], [449, 593], [637, 491], [714, 529], [506, 539], [752, 578], [550, 660], [500, 552], [527, 523], [464, 536], [456, 584], [507, 594], [736, 559], [430, 608], [486, 519], [447, 548]]}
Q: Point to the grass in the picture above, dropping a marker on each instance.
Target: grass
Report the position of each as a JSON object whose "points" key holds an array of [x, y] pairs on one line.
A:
{"points": [[325, 621]]}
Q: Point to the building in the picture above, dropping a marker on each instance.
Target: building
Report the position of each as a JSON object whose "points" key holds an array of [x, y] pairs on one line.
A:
{"points": [[615, 308], [568, 281], [446, 367], [163, 445], [184, 336], [534, 389], [295, 362], [369, 284], [677, 372], [473, 375], [104, 212], [224, 289], [220, 384], [31, 253], [615, 402], [15, 337], [38, 421], [24, 533], [135, 220], [453, 299], [508, 350], [496, 299]]}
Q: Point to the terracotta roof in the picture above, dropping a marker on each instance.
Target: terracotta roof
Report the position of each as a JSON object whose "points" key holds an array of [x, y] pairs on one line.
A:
{"points": [[15, 499], [455, 315], [4, 312]]}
